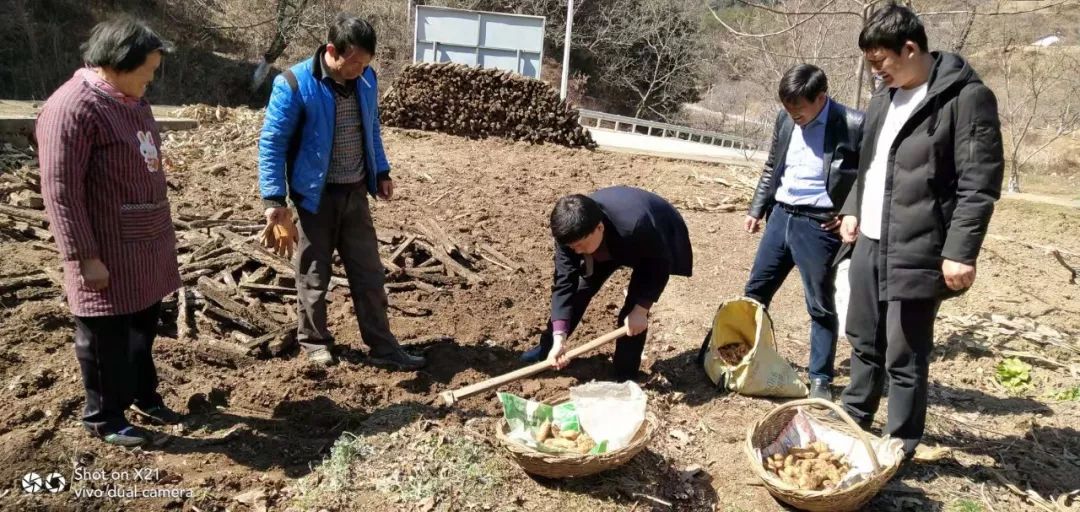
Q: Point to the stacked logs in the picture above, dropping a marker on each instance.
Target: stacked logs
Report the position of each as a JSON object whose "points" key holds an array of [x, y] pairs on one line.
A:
{"points": [[480, 103]]}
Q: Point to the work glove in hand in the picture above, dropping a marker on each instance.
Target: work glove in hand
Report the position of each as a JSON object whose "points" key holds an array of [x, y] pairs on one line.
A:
{"points": [[281, 237]]}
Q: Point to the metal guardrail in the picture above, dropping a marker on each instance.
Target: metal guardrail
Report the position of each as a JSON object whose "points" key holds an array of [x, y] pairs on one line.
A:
{"points": [[594, 119]]}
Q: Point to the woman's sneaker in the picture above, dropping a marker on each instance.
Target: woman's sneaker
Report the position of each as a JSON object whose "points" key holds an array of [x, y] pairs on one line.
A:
{"points": [[128, 437]]}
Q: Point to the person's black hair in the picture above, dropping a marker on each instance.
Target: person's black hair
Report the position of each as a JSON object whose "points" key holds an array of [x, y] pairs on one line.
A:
{"points": [[122, 44], [805, 81], [891, 27], [351, 32], [574, 217]]}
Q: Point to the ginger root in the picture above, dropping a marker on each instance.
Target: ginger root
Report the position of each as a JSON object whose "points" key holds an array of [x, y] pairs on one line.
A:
{"points": [[813, 467], [544, 431], [581, 442]]}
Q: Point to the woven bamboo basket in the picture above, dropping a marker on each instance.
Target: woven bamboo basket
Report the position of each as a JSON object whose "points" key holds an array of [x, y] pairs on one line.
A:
{"points": [[765, 431], [573, 465]]}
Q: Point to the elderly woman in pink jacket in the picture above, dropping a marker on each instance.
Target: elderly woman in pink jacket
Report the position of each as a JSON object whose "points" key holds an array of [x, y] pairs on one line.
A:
{"points": [[105, 195]]}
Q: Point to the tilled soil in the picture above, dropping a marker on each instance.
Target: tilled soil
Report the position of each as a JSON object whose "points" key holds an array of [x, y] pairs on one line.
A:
{"points": [[262, 425]]}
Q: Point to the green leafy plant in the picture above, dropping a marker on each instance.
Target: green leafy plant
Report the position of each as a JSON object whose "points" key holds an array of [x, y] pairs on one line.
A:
{"points": [[1067, 395], [1014, 374], [965, 505]]}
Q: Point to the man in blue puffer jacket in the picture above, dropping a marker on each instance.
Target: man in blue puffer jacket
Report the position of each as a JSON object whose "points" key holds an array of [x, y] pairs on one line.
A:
{"points": [[321, 148]]}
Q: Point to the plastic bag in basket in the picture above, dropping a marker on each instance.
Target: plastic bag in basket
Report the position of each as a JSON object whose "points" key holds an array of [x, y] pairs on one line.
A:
{"points": [[526, 418], [609, 411], [804, 430]]}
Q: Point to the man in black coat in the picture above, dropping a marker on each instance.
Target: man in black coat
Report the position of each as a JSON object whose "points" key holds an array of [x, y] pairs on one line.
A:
{"points": [[594, 236], [810, 170], [930, 171]]}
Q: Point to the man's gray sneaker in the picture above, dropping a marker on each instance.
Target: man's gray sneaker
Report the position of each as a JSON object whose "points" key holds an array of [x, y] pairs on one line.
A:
{"points": [[398, 359], [321, 356], [160, 415]]}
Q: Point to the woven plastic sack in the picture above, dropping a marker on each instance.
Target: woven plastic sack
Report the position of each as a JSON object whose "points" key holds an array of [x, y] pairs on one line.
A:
{"points": [[762, 371]]}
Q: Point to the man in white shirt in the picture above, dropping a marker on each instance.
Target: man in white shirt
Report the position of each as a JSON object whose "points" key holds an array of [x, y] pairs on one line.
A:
{"points": [[930, 169], [806, 179]]}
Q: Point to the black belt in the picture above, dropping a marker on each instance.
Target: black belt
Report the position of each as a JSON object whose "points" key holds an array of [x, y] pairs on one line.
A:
{"points": [[822, 215]]}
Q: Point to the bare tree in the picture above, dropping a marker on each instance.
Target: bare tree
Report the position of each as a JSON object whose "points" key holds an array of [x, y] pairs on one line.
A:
{"points": [[23, 18], [798, 31], [286, 21], [304, 22], [653, 55], [1040, 103], [821, 33], [640, 57], [1039, 88], [756, 128]]}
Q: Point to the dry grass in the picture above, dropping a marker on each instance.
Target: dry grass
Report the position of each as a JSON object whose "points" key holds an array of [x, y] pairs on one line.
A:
{"points": [[410, 466]]}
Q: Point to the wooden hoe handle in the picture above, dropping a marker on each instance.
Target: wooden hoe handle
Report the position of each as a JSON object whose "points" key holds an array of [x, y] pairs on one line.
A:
{"points": [[452, 396]]}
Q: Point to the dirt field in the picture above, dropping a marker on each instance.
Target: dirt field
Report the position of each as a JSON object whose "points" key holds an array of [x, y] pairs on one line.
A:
{"points": [[279, 434]]}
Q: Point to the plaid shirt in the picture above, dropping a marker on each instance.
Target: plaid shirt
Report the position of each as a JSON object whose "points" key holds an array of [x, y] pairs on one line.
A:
{"points": [[347, 156]]}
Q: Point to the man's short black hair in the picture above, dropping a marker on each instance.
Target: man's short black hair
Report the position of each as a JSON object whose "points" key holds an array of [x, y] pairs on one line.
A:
{"points": [[574, 217], [805, 81], [891, 27], [351, 32], [122, 44]]}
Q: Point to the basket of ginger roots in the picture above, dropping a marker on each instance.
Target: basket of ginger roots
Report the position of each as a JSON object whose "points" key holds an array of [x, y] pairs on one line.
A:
{"points": [[557, 446], [815, 466]]}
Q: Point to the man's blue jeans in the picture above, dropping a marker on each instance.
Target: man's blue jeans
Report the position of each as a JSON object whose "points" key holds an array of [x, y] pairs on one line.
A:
{"points": [[792, 240]]}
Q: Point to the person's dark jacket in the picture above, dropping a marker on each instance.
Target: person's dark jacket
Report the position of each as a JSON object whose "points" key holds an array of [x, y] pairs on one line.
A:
{"points": [[841, 157], [944, 174], [641, 231]]}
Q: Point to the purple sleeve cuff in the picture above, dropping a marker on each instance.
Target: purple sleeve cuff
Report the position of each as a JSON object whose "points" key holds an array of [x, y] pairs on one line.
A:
{"points": [[560, 326]]}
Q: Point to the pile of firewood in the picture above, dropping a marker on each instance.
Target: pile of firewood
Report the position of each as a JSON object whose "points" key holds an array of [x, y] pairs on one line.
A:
{"points": [[238, 298], [475, 102], [22, 219], [222, 130], [237, 289], [22, 215]]}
